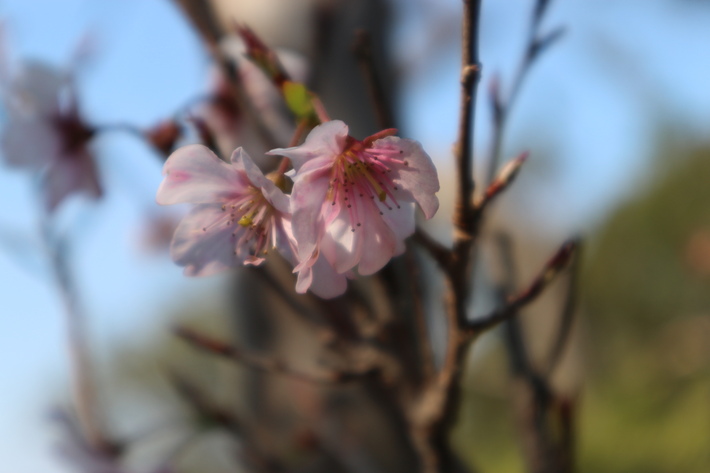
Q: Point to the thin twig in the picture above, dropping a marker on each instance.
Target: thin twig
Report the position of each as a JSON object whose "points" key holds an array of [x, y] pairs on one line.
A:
{"points": [[551, 269], [221, 417], [502, 182], [501, 107], [545, 421], [85, 396], [463, 150], [441, 401], [439, 252], [262, 363], [567, 317], [204, 18], [425, 349]]}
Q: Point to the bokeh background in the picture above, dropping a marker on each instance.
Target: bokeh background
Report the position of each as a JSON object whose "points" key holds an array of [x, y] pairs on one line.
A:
{"points": [[617, 119]]}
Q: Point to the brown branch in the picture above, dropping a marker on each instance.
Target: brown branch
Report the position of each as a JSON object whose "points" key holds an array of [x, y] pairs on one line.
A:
{"points": [[545, 417], [219, 416], [535, 45], [425, 349], [463, 150], [305, 312], [203, 406], [438, 408], [567, 317], [86, 401], [551, 269], [204, 18], [502, 182], [436, 250], [262, 363]]}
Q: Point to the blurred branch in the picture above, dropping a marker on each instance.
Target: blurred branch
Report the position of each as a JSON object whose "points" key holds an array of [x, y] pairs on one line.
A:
{"points": [[535, 46], [436, 250], [199, 402], [463, 150], [552, 268], [362, 49], [263, 363], [545, 418], [426, 352], [564, 327], [501, 183], [204, 18], [438, 408], [221, 417], [85, 396]]}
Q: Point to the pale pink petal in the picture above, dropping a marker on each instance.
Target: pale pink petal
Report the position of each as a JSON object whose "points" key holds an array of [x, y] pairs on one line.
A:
{"points": [[324, 140], [37, 88], [29, 143], [401, 222], [202, 244], [326, 282], [307, 200], [195, 174], [321, 279], [69, 174], [285, 243], [273, 194], [418, 176], [341, 246], [379, 244]]}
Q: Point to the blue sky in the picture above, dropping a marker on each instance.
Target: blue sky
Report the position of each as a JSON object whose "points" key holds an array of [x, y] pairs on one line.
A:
{"points": [[593, 99]]}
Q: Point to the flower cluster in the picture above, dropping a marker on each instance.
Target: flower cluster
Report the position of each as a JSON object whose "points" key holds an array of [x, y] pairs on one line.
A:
{"points": [[46, 133], [351, 207]]}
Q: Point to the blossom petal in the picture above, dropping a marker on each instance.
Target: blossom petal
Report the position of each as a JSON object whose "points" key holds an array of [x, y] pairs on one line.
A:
{"points": [[379, 244], [307, 199], [340, 245], [38, 88], [29, 143], [273, 194], [419, 176], [321, 279], [195, 174], [326, 140], [202, 245], [71, 173], [401, 222]]}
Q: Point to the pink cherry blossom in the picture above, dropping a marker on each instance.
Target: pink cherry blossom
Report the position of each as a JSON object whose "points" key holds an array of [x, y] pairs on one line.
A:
{"points": [[45, 133], [353, 201], [239, 214]]}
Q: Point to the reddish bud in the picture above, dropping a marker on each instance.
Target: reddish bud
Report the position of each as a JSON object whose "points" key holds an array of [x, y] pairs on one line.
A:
{"points": [[262, 55], [164, 136]]}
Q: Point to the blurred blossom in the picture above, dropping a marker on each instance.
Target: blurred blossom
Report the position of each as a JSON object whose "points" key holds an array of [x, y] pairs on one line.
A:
{"points": [[224, 119], [45, 132]]}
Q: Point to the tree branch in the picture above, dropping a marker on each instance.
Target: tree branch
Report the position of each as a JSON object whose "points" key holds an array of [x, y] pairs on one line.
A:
{"points": [[567, 317], [262, 363], [551, 269], [501, 107]]}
